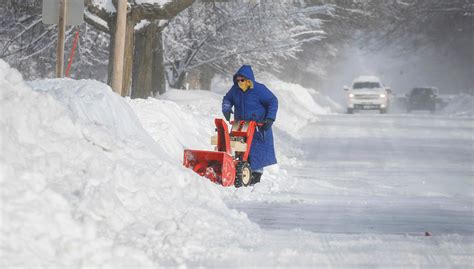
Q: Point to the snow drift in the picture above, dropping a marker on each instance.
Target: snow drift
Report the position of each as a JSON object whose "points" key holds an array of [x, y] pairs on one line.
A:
{"points": [[83, 183]]}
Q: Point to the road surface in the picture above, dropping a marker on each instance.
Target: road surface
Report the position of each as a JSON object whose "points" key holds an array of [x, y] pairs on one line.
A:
{"points": [[374, 174]]}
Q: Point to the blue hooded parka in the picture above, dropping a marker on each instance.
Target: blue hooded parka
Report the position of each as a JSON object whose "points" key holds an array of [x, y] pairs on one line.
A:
{"points": [[257, 104]]}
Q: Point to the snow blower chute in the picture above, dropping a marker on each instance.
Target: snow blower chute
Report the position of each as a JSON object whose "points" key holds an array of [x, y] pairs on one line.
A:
{"points": [[228, 164]]}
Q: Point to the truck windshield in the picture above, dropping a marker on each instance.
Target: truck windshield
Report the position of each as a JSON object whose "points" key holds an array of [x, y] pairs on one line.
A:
{"points": [[365, 85]]}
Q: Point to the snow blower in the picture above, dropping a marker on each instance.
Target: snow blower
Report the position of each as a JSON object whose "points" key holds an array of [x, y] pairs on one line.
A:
{"points": [[228, 164]]}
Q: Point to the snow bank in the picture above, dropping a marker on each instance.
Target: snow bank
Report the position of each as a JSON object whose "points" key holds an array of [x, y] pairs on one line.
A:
{"points": [[180, 119], [327, 103], [92, 102], [82, 184], [460, 105], [296, 106]]}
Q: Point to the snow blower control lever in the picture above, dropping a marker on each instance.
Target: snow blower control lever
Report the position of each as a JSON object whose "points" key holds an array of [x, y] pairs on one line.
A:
{"points": [[228, 165]]}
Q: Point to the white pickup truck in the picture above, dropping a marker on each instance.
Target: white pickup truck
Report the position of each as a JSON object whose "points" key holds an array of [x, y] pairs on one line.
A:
{"points": [[367, 92]]}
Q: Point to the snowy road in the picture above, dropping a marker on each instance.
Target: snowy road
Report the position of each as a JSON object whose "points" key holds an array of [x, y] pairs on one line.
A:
{"points": [[375, 174], [355, 215]]}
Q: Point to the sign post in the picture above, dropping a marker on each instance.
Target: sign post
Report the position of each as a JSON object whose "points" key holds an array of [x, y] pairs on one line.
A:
{"points": [[60, 45], [63, 13]]}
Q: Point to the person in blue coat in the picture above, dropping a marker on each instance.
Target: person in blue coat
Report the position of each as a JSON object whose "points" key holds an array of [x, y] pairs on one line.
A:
{"points": [[253, 101]]}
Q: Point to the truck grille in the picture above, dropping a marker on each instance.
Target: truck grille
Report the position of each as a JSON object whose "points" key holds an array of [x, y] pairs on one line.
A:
{"points": [[366, 96]]}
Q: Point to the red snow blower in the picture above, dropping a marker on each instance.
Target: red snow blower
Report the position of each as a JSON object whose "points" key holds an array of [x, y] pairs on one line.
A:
{"points": [[228, 164]]}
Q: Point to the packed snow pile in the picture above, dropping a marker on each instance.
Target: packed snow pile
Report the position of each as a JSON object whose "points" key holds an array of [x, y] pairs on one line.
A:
{"points": [[90, 101], [83, 183], [180, 119], [460, 105], [328, 103], [296, 106]]}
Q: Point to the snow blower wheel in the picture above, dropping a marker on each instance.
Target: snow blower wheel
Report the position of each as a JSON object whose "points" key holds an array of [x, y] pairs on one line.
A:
{"points": [[243, 176]]}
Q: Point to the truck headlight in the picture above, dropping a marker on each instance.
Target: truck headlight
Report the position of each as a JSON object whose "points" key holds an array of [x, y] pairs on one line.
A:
{"points": [[382, 95], [351, 95]]}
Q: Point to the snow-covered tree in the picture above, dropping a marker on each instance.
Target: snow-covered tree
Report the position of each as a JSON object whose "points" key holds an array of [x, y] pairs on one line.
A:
{"points": [[410, 26], [224, 35], [417, 24], [400, 26], [342, 23]]}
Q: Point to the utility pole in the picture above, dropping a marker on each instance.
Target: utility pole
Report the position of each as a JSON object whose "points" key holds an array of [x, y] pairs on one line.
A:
{"points": [[61, 33], [119, 47]]}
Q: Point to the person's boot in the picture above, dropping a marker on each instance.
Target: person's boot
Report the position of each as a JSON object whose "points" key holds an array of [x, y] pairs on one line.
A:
{"points": [[256, 178]]}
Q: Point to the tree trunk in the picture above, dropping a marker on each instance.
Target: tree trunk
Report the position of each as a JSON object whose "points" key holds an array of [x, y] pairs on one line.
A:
{"points": [[128, 54], [199, 78], [193, 79], [149, 74], [143, 62], [205, 79], [111, 23], [158, 78]]}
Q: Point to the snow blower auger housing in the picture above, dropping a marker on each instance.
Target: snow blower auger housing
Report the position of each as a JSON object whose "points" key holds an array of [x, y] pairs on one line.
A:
{"points": [[228, 164]]}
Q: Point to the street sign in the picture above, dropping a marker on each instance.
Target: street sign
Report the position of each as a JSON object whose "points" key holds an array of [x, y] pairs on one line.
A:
{"points": [[75, 12]]}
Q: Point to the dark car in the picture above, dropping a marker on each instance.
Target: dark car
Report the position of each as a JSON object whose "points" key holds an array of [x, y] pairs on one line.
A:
{"points": [[422, 98]]}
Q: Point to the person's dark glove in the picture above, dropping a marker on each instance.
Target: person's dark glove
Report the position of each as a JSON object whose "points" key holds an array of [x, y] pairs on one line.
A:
{"points": [[226, 109], [267, 123], [227, 115]]}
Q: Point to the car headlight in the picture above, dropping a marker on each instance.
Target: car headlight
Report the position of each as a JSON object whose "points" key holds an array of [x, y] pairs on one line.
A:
{"points": [[382, 95], [351, 95]]}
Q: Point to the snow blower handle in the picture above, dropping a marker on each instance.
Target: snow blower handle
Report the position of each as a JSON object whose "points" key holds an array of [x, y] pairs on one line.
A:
{"points": [[258, 124]]}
